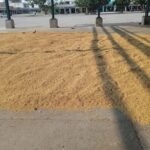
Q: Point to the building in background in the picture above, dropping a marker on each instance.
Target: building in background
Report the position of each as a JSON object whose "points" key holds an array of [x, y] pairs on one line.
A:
{"points": [[17, 7], [69, 7], [61, 7]]}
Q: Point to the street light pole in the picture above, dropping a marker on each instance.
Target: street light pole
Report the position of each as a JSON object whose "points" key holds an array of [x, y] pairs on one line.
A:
{"points": [[53, 20], [99, 20], [53, 10], [146, 18], [147, 8], [7, 10], [9, 23], [99, 11]]}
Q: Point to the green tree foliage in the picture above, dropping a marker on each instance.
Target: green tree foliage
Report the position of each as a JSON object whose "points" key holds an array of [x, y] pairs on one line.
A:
{"points": [[31, 3], [41, 3], [121, 4], [91, 5], [127, 2], [82, 3], [15, 1], [141, 2]]}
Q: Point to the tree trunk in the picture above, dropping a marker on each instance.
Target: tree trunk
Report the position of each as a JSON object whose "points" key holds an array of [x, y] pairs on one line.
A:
{"points": [[87, 10], [125, 8]]}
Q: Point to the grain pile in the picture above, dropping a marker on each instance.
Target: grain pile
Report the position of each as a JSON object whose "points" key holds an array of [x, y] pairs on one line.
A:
{"points": [[75, 71]]}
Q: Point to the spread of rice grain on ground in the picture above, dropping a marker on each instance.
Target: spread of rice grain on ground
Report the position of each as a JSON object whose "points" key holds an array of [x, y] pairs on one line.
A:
{"points": [[76, 71]]}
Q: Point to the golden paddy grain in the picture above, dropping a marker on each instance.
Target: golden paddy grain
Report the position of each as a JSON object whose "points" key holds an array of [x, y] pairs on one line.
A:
{"points": [[75, 71]]}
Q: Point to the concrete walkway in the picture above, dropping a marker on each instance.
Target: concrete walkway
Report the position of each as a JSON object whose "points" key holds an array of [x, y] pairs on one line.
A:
{"points": [[134, 28], [29, 20], [99, 129]]}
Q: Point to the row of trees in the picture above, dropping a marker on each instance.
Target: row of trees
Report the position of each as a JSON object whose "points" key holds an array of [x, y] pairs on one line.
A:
{"points": [[90, 5], [121, 4], [125, 3]]}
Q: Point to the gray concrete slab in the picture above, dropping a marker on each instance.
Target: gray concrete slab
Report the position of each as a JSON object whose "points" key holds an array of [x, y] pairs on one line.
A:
{"points": [[26, 21], [68, 130], [76, 23], [132, 28]]}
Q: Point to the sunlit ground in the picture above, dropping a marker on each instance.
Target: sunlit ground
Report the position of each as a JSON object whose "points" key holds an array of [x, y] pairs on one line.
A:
{"points": [[76, 71]]}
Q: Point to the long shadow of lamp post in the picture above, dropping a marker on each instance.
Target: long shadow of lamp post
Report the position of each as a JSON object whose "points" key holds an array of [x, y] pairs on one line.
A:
{"points": [[99, 19], [146, 18], [9, 22], [53, 20]]}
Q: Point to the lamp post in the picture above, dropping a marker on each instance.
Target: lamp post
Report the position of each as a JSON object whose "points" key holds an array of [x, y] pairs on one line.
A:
{"points": [[9, 23], [147, 8], [7, 10], [53, 11], [99, 20], [146, 18], [53, 20], [99, 11]]}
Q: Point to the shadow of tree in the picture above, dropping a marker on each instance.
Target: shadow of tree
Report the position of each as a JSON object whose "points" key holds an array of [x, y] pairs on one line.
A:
{"points": [[137, 43], [126, 127]]}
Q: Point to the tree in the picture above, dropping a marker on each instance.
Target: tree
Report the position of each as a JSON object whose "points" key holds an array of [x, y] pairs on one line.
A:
{"points": [[122, 4], [82, 3], [43, 5], [141, 2], [147, 8], [31, 3], [145, 4], [15, 1], [91, 5]]}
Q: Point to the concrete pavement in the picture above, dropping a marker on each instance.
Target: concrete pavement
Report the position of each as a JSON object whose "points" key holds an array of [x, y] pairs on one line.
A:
{"points": [[30, 21], [76, 23], [105, 129]]}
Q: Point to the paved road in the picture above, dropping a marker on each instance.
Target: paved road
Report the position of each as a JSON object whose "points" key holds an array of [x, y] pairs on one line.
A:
{"points": [[72, 20]]}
